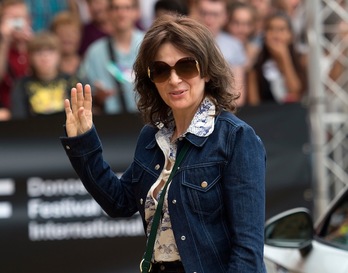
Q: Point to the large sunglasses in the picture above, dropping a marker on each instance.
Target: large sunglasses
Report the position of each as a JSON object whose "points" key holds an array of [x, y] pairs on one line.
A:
{"points": [[186, 68]]}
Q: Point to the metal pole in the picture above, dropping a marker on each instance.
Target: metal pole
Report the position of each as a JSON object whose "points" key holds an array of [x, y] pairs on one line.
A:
{"points": [[317, 107]]}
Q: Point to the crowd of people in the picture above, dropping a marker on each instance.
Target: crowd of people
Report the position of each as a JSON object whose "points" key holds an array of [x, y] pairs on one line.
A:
{"points": [[46, 47]]}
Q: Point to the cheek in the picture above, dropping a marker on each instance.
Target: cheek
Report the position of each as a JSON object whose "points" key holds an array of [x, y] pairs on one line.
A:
{"points": [[231, 28], [161, 87], [270, 35], [288, 38], [198, 87], [53, 57]]}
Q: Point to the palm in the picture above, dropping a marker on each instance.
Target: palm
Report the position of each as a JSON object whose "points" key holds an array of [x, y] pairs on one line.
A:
{"points": [[79, 117]]}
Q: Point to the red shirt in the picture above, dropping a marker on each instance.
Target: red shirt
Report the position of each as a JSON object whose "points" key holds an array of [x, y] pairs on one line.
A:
{"points": [[17, 67]]}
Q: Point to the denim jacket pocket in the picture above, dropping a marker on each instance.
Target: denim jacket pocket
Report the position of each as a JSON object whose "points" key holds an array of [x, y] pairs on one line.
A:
{"points": [[202, 187]]}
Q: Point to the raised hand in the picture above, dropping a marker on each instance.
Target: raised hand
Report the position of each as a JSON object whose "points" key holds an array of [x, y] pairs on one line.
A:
{"points": [[278, 49], [79, 118]]}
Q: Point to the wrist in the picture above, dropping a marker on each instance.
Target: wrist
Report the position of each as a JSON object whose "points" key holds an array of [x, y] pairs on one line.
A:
{"points": [[5, 38], [2, 39]]}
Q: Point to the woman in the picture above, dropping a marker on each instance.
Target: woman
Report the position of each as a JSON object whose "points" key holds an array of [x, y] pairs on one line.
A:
{"points": [[242, 25], [278, 74], [213, 213]]}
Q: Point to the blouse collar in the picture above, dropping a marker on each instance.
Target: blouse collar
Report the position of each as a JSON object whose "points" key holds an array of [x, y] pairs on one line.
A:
{"points": [[202, 124]]}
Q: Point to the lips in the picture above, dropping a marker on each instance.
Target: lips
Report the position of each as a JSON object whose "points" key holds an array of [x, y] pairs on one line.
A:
{"points": [[176, 93]]}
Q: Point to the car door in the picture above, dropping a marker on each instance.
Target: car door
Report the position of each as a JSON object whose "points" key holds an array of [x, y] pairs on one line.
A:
{"points": [[292, 247]]}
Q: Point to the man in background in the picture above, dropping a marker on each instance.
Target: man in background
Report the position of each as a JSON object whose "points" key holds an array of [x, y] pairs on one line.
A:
{"points": [[99, 25], [108, 62]]}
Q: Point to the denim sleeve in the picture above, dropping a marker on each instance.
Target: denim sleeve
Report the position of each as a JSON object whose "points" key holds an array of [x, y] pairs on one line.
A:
{"points": [[244, 195], [114, 195]]}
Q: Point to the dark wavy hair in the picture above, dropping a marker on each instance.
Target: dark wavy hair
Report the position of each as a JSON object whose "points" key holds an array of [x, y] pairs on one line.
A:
{"points": [[194, 39]]}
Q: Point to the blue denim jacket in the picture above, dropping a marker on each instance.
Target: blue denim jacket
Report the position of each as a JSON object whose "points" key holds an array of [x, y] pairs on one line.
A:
{"points": [[216, 200]]}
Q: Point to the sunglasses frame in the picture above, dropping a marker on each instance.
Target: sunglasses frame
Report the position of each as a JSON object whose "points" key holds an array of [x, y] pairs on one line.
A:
{"points": [[173, 67]]}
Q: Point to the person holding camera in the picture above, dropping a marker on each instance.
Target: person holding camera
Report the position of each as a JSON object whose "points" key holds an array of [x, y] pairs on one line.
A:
{"points": [[15, 32]]}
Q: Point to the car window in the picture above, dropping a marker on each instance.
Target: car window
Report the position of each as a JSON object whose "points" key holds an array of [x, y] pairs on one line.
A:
{"points": [[337, 228]]}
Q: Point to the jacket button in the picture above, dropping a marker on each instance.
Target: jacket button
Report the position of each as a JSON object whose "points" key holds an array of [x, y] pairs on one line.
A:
{"points": [[67, 147], [174, 201], [157, 167], [204, 184], [183, 238], [141, 201]]}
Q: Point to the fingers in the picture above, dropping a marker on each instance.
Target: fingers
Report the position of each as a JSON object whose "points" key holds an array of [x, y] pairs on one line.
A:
{"points": [[73, 100], [83, 121], [88, 98], [79, 110], [70, 128], [80, 97], [67, 107]]}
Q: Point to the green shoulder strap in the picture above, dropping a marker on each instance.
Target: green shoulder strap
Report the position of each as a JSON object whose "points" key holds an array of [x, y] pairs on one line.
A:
{"points": [[145, 264]]}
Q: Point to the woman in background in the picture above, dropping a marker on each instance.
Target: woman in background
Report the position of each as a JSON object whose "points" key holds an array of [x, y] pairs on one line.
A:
{"points": [[242, 25], [277, 75]]}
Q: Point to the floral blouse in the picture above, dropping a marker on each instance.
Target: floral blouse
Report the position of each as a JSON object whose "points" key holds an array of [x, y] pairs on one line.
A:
{"points": [[202, 124]]}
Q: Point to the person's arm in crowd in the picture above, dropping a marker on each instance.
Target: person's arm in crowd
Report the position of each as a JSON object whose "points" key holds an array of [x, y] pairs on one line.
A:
{"points": [[253, 97], [93, 69], [5, 41], [238, 65], [5, 114], [293, 82], [239, 76]]}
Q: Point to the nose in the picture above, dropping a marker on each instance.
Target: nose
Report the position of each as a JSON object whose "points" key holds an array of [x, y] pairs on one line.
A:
{"points": [[174, 77]]}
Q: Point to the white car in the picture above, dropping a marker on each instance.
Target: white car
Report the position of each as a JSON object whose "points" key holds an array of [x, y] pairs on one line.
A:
{"points": [[294, 245]]}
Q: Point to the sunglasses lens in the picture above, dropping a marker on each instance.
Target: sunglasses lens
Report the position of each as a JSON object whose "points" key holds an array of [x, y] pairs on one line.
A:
{"points": [[186, 68], [160, 71]]}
